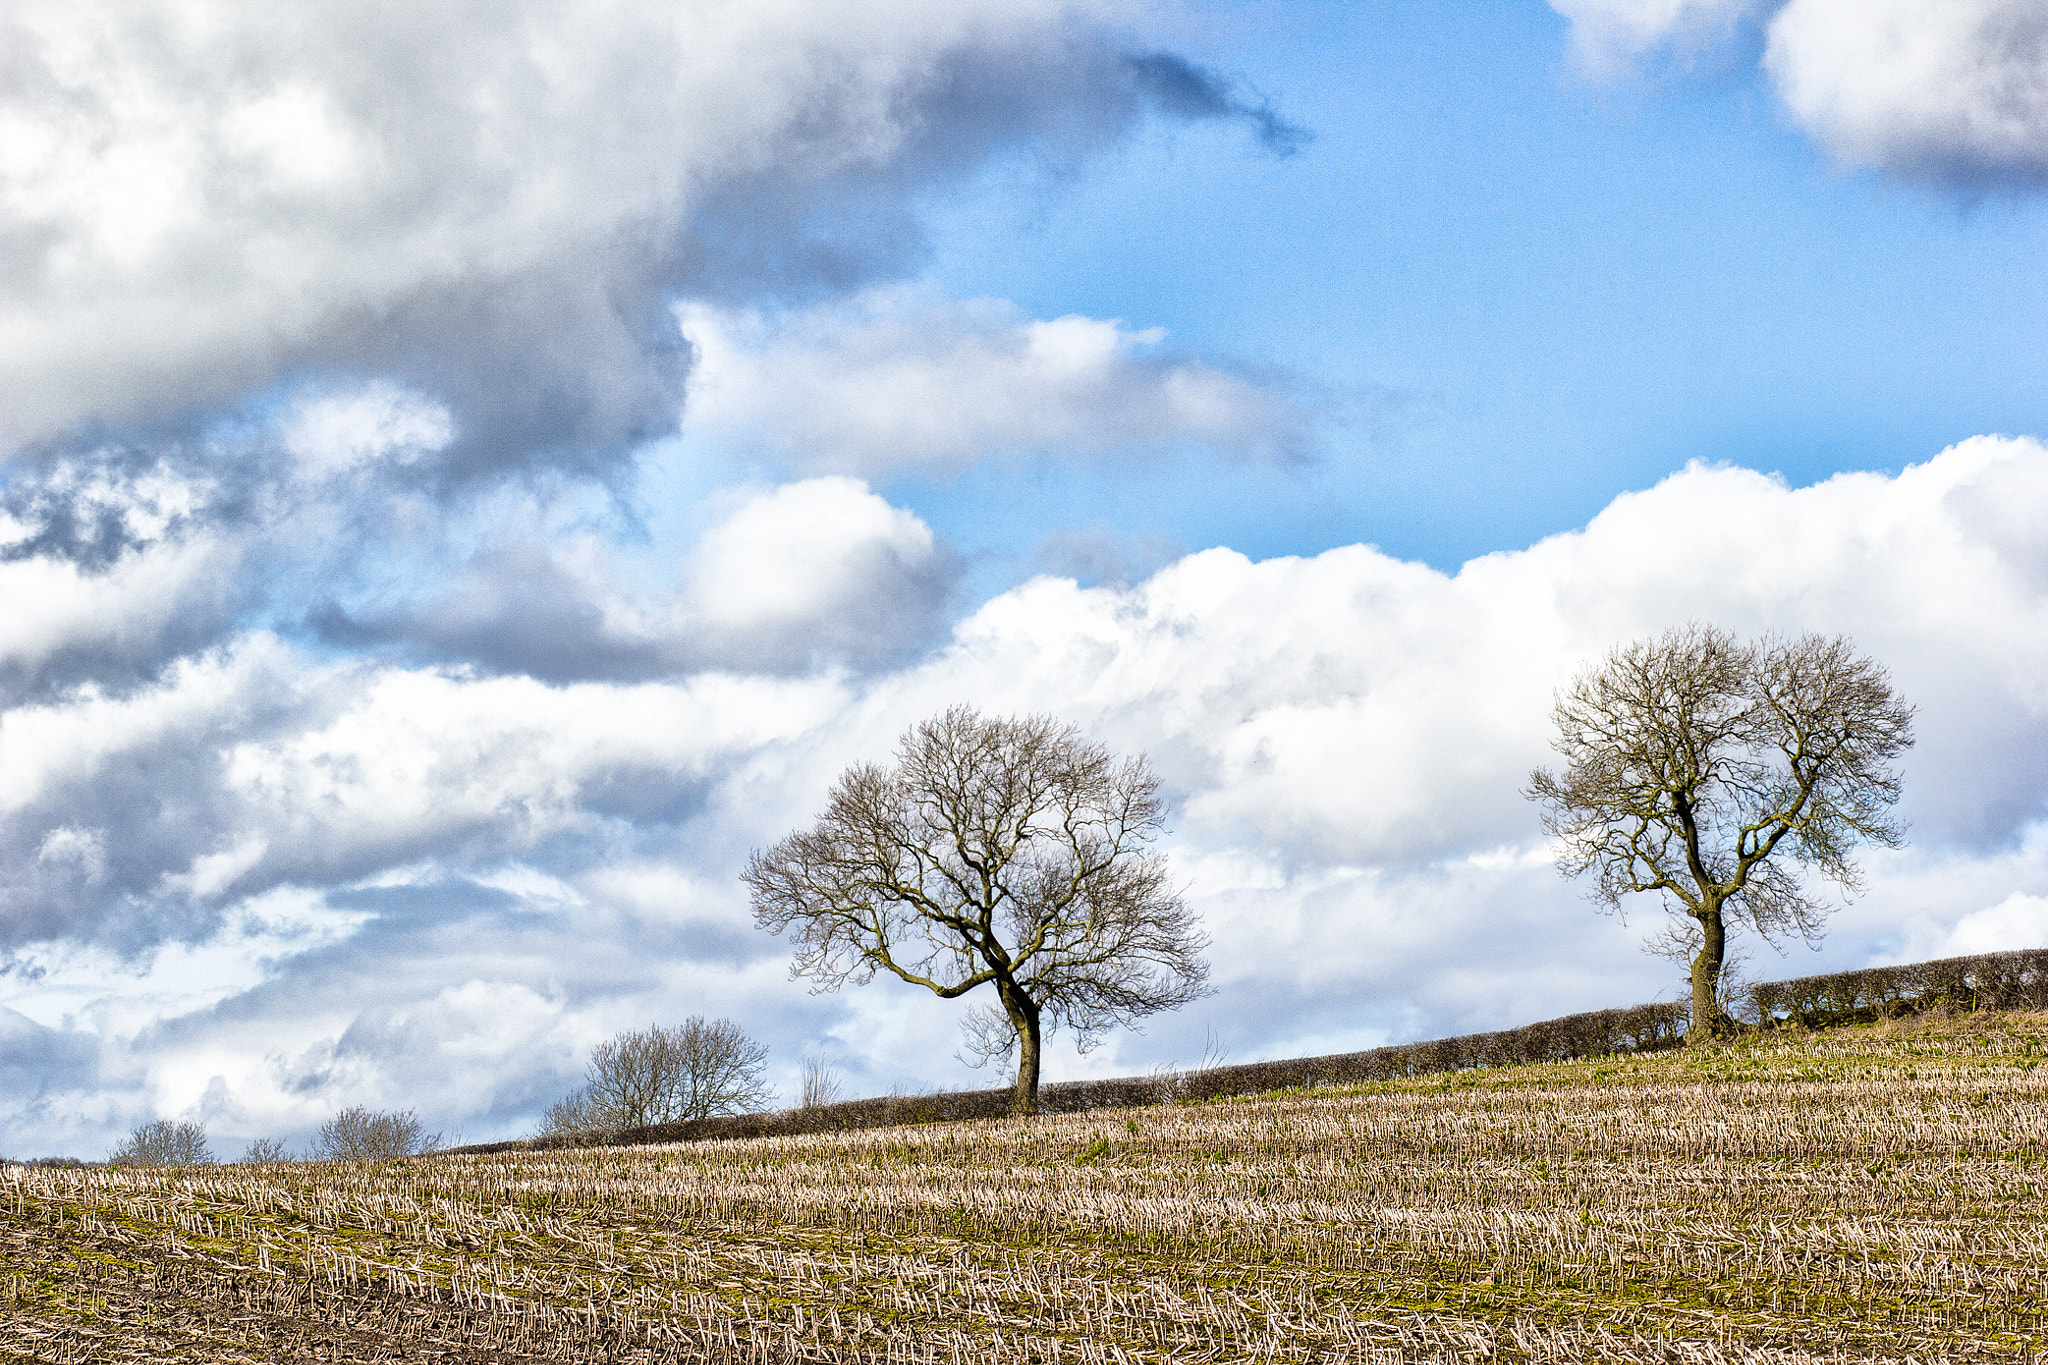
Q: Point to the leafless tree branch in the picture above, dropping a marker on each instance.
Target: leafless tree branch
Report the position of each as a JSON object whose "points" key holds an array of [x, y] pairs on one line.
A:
{"points": [[995, 852], [663, 1074], [1712, 772], [359, 1133], [164, 1142]]}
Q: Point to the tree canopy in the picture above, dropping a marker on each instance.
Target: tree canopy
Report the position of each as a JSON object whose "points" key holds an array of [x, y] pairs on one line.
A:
{"points": [[164, 1142], [698, 1069], [1006, 853], [360, 1133], [1715, 773]]}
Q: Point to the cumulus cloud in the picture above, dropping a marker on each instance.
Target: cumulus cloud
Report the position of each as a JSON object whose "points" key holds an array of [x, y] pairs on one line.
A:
{"points": [[818, 568], [123, 558], [1952, 92], [2018, 921], [898, 379], [124, 561], [492, 206], [1435, 688], [432, 871], [813, 573], [138, 817]]}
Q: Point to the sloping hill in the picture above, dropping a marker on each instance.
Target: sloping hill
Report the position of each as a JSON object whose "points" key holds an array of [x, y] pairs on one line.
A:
{"points": [[1864, 1193], [1997, 981]]}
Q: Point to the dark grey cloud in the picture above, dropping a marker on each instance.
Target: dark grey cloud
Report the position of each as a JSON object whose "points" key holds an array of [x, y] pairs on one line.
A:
{"points": [[513, 610], [561, 372], [39, 1066], [1188, 91], [114, 796], [1102, 554]]}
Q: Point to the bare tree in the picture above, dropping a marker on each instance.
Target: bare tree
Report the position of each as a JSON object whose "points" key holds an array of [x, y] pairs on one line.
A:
{"points": [[359, 1133], [571, 1114], [165, 1142], [1006, 853], [820, 1083], [696, 1070], [265, 1152], [1712, 773]]}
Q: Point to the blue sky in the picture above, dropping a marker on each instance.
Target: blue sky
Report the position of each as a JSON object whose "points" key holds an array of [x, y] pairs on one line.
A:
{"points": [[471, 478], [1536, 288]]}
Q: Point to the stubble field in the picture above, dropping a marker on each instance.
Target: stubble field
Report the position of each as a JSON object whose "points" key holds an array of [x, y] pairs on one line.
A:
{"points": [[1860, 1194]]}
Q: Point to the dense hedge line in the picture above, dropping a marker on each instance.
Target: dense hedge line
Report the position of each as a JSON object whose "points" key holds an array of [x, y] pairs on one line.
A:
{"points": [[1640, 1029], [1990, 981], [2002, 981]]}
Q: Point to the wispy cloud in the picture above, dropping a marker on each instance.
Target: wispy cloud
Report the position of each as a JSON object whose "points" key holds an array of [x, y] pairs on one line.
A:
{"points": [[1611, 37]]}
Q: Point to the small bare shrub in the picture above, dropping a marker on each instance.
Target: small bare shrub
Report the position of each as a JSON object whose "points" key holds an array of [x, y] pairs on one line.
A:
{"points": [[165, 1142], [699, 1069], [821, 1083], [360, 1133]]}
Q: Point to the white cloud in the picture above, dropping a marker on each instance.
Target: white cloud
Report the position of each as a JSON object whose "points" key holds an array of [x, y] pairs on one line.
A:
{"points": [[1948, 90], [419, 763], [899, 379], [784, 556], [2018, 921], [1610, 36], [335, 432], [1344, 735], [64, 744], [1375, 710], [823, 567], [818, 572], [491, 204], [151, 603]]}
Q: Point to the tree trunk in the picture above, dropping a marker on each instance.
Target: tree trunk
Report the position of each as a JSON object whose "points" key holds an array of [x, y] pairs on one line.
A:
{"points": [[1024, 1018], [1709, 1023]]}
